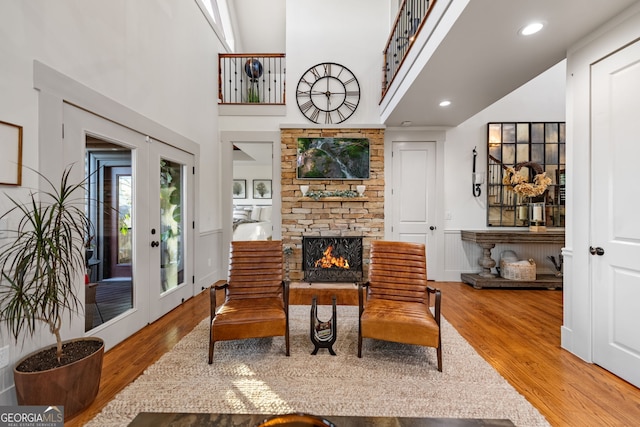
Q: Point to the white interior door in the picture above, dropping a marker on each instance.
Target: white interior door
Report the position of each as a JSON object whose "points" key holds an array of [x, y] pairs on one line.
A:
{"points": [[615, 231], [170, 228], [413, 193]]}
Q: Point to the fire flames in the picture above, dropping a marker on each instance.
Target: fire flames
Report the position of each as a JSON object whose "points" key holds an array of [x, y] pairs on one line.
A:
{"points": [[328, 260]]}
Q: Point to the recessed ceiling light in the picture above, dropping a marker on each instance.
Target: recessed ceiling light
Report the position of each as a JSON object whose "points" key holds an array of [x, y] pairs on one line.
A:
{"points": [[445, 103], [532, 28]]}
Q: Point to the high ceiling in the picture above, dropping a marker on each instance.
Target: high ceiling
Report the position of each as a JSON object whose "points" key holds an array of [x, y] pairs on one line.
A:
{"points": [[482, 58]]}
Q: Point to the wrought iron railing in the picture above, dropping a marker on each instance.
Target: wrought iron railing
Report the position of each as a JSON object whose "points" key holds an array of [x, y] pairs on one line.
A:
{"points": [[408, 23], [251, 78]]}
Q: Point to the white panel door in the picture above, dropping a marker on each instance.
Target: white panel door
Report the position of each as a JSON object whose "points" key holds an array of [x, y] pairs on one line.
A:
{"points": [[615, 228], [413, 193]]}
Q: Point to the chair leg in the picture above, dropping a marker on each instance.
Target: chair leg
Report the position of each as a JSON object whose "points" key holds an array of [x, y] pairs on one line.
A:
{"points": [[211, 343], [439, 353], [286, 341], [359, 344]]}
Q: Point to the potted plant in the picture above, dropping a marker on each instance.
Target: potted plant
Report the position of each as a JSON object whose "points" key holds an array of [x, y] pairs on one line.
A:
{"points": [[41, 265]]}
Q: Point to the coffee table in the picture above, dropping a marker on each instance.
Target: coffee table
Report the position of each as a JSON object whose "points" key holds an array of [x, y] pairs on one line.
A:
{"points": [[155, 419]]}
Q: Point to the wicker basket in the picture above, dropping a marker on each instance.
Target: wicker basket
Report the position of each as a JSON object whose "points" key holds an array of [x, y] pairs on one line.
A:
{"points": [[518, 270]]}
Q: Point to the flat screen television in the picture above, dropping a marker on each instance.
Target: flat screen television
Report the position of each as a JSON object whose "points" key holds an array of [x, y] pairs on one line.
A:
{"points": [[333, 158]]}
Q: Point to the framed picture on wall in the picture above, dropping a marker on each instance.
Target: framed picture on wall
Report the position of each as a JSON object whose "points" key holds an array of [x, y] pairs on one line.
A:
{"points": [[261, 188], [11, 148], [239, 188]]}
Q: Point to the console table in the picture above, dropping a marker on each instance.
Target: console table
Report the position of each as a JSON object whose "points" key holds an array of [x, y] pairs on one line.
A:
{"points": [[487, 240]]}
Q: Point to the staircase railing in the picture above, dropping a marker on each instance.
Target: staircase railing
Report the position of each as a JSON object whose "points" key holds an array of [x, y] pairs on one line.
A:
{"points": [[251, 78], [409, 21]]}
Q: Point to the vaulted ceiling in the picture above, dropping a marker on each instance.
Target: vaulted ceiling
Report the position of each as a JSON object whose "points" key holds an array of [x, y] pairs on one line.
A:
{"points": [[481, 59]]}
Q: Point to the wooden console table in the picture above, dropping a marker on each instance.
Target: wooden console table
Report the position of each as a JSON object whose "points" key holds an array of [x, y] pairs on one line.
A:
{"points": [[487, 240]]}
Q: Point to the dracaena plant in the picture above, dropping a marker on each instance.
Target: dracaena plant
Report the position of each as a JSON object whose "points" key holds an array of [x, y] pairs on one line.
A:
{"points": [[42, 258]]}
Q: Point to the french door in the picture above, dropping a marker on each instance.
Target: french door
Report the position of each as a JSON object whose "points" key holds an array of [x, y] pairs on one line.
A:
{"points": [[140, 201], [170, 230]]}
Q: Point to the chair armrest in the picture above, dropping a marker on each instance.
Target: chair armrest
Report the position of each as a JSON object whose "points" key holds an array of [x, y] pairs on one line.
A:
{"points": [[361, 296], [212, 297], [285, 295], [220, 287], [437, 302]]}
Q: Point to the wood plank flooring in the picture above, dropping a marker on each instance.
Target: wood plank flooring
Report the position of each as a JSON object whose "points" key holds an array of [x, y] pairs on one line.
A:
{"points": [[516, 331]]}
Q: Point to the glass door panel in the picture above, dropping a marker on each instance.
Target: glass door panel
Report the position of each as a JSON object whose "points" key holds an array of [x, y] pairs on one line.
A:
{"points": [[109, 244], [171, 224]]}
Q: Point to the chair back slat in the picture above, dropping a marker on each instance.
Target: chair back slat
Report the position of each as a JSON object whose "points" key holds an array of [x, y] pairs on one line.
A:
{"points": [[398, 271], [255, 269]]}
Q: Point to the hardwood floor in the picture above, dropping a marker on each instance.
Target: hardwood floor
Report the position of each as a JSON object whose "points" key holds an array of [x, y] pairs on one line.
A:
{"points": [[516, 331]]}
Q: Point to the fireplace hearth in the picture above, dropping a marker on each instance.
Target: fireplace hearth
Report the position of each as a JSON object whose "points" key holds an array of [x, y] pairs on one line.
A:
{"points": [[332, 258]]}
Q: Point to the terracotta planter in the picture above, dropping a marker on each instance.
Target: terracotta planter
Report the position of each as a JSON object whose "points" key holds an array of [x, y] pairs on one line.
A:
{"points": [[72, 386]]}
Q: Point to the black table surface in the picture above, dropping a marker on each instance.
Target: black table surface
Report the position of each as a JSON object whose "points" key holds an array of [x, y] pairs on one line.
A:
{"points": [[158, 419]]}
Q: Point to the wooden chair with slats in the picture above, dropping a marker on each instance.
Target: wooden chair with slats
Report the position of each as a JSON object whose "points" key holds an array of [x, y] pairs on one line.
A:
{"points": [[256, 300], [394, 303]]}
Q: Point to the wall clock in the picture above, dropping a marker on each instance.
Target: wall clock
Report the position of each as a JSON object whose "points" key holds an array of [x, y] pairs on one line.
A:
{"points": [[328, 93]]}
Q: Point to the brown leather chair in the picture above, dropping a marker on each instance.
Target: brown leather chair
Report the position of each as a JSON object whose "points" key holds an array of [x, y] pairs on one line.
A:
{"points": [[256, 296], [396, 305]]}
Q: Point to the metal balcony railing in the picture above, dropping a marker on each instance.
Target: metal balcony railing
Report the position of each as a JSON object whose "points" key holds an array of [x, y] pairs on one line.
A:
{"points": [[251, 78], [408, 23]]}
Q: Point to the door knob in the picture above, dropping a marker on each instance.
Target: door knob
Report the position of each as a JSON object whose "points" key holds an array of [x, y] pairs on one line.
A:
{"points": [[432, 228], [596, 251], [155, 244]]}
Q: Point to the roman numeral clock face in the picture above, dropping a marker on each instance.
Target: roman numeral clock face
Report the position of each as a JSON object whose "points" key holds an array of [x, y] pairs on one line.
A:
{"points": [[328, 93]]}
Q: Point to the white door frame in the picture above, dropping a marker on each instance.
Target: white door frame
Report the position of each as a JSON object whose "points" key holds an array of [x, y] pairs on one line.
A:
{"points": [[227, 138]]}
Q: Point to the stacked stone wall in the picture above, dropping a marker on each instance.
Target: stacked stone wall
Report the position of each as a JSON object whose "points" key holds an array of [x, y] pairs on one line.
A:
{"points": [[330, 216]]}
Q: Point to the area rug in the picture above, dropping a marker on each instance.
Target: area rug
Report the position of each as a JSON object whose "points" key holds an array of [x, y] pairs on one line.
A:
{"points": [[255, 376]]}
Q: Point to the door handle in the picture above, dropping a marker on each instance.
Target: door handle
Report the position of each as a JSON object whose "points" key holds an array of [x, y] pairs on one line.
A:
{"points": [[596, 251], [432, 228], [155, 244]]}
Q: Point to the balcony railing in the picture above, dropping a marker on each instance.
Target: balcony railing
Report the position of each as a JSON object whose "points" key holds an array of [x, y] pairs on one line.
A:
{"points": [[251, 78], [409, 21]]}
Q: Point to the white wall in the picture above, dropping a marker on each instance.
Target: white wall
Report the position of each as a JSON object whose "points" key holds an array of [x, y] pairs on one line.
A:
{"points": [[578, 297], [349, 32], [157, 58], [541, 99], [250, 173]]}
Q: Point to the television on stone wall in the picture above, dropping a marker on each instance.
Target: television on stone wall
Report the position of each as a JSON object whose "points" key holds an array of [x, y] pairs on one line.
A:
{"points": [[333, 158]]}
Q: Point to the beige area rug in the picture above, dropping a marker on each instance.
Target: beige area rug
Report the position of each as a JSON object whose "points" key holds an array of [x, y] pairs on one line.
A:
{"points": [[254, 376]]}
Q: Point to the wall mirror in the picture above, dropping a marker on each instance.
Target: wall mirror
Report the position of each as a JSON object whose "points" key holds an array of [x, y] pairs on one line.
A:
{"points": [[540, 145]]}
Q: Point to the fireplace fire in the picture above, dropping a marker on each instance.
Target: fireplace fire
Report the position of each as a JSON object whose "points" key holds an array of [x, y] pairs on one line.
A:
{"points": [[332, 259]]}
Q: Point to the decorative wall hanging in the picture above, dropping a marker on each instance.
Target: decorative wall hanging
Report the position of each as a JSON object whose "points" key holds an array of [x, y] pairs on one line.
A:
{"points": [[239, 188], [262, 189], [328, 93], [526, 163]]}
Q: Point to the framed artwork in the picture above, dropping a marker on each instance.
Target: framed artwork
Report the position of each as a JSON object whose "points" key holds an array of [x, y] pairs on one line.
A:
{"points": [[261, 188], [239, 188], [333, 158], [11, 149]]}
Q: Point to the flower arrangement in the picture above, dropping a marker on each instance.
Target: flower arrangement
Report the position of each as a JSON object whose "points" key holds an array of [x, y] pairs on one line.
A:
{"points": [[520, 184], [316, 195]]}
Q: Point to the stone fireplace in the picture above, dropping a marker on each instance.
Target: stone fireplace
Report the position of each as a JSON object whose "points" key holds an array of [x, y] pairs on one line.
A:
{"points": [[336, 217], [332, 259]]}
